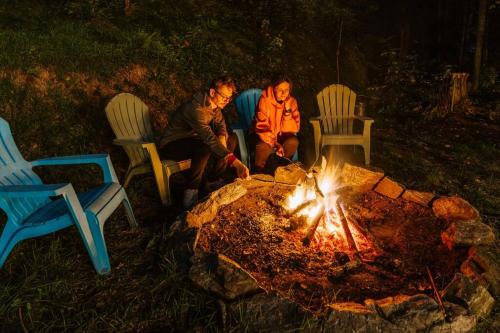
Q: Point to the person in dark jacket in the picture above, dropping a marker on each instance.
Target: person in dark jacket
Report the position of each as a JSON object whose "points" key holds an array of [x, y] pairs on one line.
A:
{"points": [[197, 131]]}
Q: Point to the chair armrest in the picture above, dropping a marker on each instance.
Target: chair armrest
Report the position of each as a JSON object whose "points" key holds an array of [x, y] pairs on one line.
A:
{"points": [[313, 120], [129, 142], [367, 123], [364, 118], [156, 163], [102, 160], [42, 190], [316, 124]]}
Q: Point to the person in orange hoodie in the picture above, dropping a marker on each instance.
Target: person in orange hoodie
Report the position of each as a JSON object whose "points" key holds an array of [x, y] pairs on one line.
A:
{"points": [[277, 122]]}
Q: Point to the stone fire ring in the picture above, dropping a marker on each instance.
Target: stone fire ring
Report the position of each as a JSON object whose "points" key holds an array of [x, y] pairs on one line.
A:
{"points": [[467, 298]]}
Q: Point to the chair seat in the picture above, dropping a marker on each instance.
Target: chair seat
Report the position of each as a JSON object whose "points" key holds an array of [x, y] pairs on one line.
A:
{"points": [[93, 200]]}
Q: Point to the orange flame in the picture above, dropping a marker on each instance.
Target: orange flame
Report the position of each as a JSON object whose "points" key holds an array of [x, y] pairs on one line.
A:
{"points": [[330, 228]]}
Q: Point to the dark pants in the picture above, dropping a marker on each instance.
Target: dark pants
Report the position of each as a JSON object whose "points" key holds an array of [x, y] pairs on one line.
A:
{"points": [[265, 159], [204, 164]]}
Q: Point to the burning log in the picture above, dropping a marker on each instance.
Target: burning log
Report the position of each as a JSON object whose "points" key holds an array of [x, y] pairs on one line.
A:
{"points": [[348, 235], [315, 223], [309, 203], [365, 233], [302, 206]]}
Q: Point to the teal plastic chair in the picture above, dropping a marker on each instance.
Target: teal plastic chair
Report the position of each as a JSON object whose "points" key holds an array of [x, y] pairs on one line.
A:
{"points": [[35, 209], [246, 104]]}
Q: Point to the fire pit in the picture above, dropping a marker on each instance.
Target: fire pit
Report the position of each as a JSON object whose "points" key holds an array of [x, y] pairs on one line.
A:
{"points": [[348, 249]]}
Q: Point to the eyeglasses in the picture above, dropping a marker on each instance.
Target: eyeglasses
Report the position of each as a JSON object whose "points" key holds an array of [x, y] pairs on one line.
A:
{"points": [[224, 97]]}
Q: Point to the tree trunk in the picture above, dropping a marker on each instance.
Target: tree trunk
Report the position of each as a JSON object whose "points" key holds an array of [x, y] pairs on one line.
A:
{"points": [[481, 26], [458, 89], [463, 39]]}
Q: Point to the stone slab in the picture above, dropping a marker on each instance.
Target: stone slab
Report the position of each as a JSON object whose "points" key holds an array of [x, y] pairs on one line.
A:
{"points": [[389, 188], [361, 179], [421, 198], [454, 209], [206, 211], [463, 290], [467, 233]]}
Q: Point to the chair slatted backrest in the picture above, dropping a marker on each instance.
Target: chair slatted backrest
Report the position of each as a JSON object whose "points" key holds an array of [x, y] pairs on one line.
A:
{"points": [[15, 170], [129, 118], [246, 104], [336, 105]]}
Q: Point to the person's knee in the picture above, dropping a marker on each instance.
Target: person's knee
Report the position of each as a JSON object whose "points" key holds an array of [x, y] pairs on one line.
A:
{"points": [[294, 141], [291, 143]]}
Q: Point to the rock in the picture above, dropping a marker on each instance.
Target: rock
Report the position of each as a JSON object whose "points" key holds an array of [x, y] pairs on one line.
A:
{"points": [[290, 174], [463, 290], [454, 209], [272, 313], [483, 264], [459, 320], [222, 276], [468, 233], [414, 313], [361, 179], [389, 188], [355, 317], [421, 198], [207, 210], [256, 181]]}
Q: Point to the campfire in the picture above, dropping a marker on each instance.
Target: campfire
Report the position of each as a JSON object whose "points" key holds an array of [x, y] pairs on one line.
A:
{"points": [[335, 242], [318, 199]]}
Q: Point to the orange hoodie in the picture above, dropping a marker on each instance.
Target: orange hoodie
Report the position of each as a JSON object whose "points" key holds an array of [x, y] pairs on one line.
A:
{"points": [[272, 119]]}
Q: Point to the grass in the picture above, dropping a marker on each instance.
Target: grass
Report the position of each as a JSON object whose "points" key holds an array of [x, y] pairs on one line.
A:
{"points": [[58, 72]]}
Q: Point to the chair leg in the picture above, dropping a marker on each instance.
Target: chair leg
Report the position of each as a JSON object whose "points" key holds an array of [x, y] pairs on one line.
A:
{"points": [[366, 148], [317, 148], [166, 200], [131, 172], [7, 241], [128, 209], [90, 231], [98, 253]]}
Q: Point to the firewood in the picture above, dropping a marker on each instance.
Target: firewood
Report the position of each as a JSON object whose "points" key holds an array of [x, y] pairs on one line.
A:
{"points": [[312, 230], [339, 271], [348, 235], [302, 206], [365, 233]]}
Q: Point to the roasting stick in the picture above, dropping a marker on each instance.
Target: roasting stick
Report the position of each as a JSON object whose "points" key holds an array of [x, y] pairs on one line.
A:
{"points": [[436, 291]]}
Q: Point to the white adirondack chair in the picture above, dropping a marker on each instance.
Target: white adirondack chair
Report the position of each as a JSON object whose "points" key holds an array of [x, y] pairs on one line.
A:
{"points": [[334, 126], [130, 120]]}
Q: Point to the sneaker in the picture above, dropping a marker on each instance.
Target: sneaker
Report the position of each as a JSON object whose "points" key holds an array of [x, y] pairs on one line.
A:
{"points": [[190, 198]]}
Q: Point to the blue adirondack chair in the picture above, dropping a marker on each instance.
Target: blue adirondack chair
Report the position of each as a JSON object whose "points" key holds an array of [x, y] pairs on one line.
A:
{"points": [[34, 209], [246, 104]]}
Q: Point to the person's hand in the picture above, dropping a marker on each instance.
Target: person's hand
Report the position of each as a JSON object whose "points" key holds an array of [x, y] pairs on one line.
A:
{"points": [[241, 169], [288, 104], [279, 150]]}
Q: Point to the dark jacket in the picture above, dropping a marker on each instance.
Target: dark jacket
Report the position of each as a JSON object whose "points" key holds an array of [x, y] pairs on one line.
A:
{"points": [[197, 119]]}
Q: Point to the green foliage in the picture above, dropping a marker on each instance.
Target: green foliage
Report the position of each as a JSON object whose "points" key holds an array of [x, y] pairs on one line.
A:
{"points": [[91, 9], [412, 85]]}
